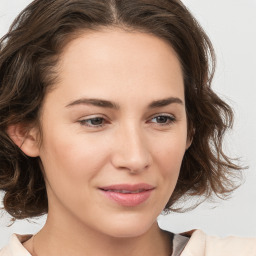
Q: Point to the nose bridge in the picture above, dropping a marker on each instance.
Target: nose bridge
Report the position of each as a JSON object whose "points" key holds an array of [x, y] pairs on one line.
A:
{"points": [[132, 152]]}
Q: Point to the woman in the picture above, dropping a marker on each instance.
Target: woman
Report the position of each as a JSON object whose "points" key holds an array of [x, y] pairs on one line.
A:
{"points": [[107, 119]]}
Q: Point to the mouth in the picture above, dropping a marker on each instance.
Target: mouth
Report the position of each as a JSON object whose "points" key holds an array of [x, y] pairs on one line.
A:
{"points": [[124, 191], [127, 194]]}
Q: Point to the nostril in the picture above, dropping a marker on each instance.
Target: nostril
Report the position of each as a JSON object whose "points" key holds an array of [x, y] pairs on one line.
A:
{"points": [[134, 171], [131, 152]]}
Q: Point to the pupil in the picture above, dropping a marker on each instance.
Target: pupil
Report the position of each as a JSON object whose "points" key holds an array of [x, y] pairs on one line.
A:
{"points": [[96, 121], [161, 119]]}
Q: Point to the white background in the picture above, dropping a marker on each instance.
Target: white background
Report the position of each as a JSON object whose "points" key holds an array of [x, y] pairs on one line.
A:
{"points": [[231, 25]]}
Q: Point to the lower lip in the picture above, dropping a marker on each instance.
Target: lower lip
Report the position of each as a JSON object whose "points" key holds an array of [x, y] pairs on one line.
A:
{"points": [[128, 199]]}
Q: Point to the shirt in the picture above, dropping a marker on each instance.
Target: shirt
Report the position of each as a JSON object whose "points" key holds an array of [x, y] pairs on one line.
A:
{"points": [[199, 244]]}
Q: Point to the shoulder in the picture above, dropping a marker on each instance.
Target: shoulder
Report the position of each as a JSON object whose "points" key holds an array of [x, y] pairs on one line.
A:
{"points": [[201, 244], [15, 247]]}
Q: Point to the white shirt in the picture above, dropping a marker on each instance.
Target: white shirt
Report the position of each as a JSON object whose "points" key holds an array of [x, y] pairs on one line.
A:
{"points": [[199, 244], [15, 247]]}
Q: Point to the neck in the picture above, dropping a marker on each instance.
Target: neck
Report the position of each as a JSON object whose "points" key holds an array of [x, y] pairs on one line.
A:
{"points": [[58, 238]]}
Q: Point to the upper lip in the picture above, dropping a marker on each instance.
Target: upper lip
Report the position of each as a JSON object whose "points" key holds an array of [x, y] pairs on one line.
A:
{"points": [[129, 187]]}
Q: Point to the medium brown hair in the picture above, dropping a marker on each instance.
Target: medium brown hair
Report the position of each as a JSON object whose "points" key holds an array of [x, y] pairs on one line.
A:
{"points": [[29, 52]]}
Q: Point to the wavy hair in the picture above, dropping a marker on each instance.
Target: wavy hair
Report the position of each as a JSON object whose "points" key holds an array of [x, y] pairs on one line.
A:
{"points": [[30, 51]]}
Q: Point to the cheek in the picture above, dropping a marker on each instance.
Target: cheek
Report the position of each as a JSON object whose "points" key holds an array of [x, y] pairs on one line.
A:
{"points": [[168, 156], [169, 153], [168, 159], [67, 157]]}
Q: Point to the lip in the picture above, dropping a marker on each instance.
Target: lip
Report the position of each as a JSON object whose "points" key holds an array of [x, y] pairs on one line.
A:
{"points": [[128, 194]]}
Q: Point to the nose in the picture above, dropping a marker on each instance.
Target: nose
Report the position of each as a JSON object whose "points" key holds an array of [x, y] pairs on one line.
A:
{"points": [[130, 150]]}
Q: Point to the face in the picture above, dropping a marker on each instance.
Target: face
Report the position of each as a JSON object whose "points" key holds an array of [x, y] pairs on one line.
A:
{"points": [[114, 132]]}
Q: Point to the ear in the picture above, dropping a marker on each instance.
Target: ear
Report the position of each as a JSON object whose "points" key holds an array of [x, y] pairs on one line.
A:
{"points": [[190, 139], [25, 137], [189, 142]]}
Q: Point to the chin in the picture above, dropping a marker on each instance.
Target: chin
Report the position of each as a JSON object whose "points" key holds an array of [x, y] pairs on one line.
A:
{"points": [[130, 227]]}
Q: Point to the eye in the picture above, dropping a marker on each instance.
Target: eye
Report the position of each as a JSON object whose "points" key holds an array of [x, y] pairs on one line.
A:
{"points": [[93, 122], [163, 119]]}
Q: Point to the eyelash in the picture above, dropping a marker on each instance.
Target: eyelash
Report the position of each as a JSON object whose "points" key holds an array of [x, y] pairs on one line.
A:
{"points": [[85, 122], [170, 119]]}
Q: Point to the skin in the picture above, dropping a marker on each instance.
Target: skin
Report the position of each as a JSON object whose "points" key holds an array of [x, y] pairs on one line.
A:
{"points": [[136, 141]]}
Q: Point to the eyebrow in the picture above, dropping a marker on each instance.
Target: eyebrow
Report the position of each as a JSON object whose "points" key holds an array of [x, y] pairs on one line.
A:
{"points": [[95, 102], [108, 104], [165, 102]]}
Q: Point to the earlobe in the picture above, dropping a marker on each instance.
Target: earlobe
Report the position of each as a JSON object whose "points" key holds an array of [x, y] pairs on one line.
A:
{"points": [[189, 142], [25, 138], [190, 139]]}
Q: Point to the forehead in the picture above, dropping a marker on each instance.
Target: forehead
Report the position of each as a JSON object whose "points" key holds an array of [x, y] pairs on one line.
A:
{"points": [[117, 45], [113, 60]]}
